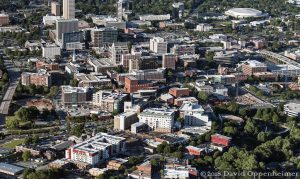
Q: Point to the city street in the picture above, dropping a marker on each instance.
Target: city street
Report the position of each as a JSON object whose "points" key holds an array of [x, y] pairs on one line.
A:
{"points": [[14, 77]]}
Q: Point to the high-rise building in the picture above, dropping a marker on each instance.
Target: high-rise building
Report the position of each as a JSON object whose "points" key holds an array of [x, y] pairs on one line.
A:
{"points": [[4, 19], [124, 7], [104, 36], [158, 119], [124, 120], [69, 9], [169, 61], [117, 50], [65, 26], [158, 45], [75, 95], [177, 10], [55, 8]]}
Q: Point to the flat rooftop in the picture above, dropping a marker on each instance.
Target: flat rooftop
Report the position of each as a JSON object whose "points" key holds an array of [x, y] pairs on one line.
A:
{"points": [[295, 107], [98, 142], [158, 111], [70, 89], [9, 168]]}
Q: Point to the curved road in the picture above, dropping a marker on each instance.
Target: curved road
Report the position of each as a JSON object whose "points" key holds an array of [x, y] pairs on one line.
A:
{"points": [[14, 77]]}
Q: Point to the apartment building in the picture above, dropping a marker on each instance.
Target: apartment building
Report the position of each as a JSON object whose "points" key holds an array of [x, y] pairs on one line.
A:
{"points": [[158, 119]]}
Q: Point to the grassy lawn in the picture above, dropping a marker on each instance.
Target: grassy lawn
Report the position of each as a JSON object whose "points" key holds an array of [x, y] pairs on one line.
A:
{"points": [[12, 144]]}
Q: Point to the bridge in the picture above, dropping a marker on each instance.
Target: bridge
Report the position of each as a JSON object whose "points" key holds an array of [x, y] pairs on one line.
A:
{"points": [[292, 69]]}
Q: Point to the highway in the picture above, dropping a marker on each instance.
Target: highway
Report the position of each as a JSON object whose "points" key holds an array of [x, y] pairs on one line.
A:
{"points": [[14, 77]]}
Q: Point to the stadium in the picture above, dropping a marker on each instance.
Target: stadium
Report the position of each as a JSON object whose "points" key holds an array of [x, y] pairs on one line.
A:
{"points": [[244, 13]]}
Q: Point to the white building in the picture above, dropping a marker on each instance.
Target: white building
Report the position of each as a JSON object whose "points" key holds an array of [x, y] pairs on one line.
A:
{"points": [[203, 27], [96, 149], [158, 45], [50, 20], [292, 109], [152, 17], [244, 13], [158, 119], [194, 115], [69, 9], [117, 50], [51, 51]]}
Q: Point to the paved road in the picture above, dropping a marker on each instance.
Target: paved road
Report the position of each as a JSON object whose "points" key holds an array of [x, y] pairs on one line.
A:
{"points": [[14, 77]]}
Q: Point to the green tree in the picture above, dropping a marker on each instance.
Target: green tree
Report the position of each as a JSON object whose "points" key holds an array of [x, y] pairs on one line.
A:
{"points": [[203, 96], [11, 122], [77, 130], [26, 155], [167, 149], [230, 130], [74, 82], [262, 136], [27, 114], [275, 118]]}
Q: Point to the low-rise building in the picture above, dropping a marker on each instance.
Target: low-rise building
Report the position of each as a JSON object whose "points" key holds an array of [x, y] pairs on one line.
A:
{"points": [[132, 84], [153, 17], [143, 171], [101, 65], [62, 164], [180, 172], [219, 139], [183, 49], [139, 127], [51, 51], [10, 169], [252, 66], [93, 80], [32, 150], [292, 109], [49, 66], [116, 164], [203, 27], [97, 171], [179, 92], [181, 100]]}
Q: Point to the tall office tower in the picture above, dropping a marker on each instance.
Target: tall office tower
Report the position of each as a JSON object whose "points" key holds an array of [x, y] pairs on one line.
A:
{"points": [[55, 8], [177, 10], [169, 61], [158, 45], [104, 36], [69, 9], [65, 26], [124, 7]]}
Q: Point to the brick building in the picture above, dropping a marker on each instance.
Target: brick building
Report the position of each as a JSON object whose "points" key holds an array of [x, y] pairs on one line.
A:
{"points": [[220, 140], [252, 66], [38, 79], [132, 84], [4, 19], [179, 92], [47, 66]]}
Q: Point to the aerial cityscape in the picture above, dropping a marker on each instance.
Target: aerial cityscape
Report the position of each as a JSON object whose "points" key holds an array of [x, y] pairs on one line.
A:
{"points": [[149, 89]]}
